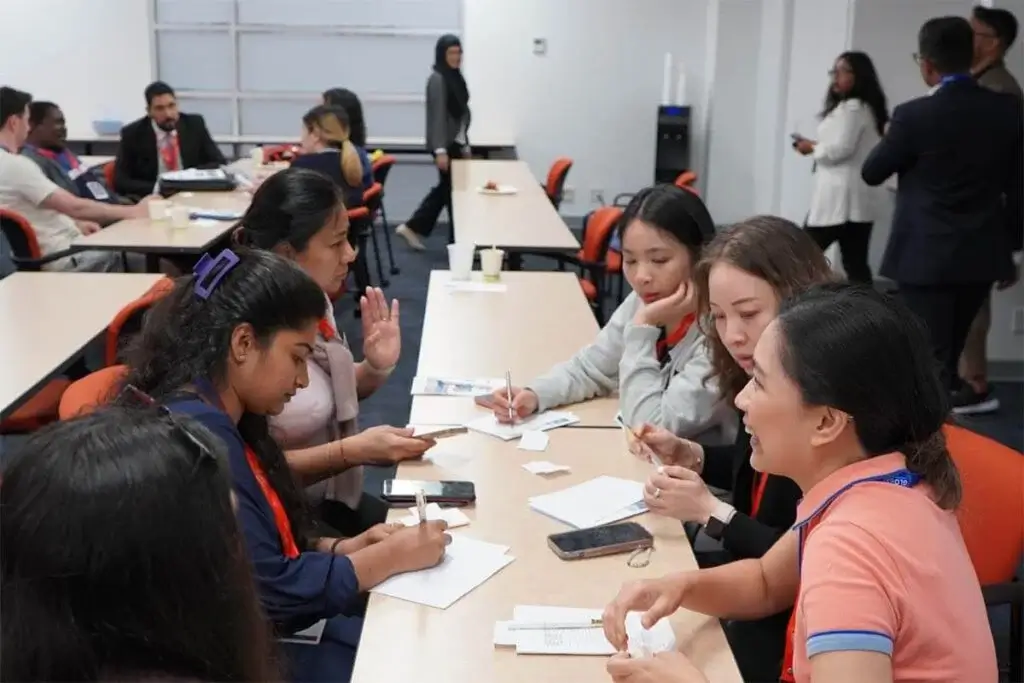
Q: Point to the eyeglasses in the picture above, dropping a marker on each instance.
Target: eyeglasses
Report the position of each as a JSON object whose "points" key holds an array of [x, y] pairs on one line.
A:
{"points": [[200, 452], [842, 70]]}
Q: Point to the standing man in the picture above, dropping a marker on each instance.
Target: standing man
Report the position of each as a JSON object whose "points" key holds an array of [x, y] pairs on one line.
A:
{"points": [[958, 153], [163, 140], [994, 33]]}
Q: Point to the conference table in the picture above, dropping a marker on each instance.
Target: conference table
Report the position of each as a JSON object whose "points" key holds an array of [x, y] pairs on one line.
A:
{"points": [[522, 222], [404, 641], [49, 319]]}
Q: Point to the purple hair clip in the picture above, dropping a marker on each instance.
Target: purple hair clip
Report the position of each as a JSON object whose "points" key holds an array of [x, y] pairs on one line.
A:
{"points": [[210, 271]]}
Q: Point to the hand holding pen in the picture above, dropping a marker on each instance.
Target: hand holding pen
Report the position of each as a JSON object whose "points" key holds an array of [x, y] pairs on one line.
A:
{"points": [[523, 404]]}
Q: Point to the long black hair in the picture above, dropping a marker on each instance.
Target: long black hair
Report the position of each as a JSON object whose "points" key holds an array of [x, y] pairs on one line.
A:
{"points": [[862, 352], [678, 212], [291, 207], [121, 556], [186, 339], [457, 101], [349, 101], [866, 88]]}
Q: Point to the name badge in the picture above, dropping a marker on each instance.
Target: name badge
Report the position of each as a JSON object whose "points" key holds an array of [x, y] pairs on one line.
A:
{"points": [[97, 190]]}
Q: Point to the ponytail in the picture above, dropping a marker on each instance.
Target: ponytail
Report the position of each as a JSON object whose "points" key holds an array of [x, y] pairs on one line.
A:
{"points": [[351, 165], [931, 460]]}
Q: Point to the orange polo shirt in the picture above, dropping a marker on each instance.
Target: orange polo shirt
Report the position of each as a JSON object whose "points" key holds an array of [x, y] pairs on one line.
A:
{"points": [[884, 569]]}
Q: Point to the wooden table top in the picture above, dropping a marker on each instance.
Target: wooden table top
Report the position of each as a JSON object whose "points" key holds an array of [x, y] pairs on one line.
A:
{"points": [[524, 221], [404, 642], [485, 334], [48, 318]]}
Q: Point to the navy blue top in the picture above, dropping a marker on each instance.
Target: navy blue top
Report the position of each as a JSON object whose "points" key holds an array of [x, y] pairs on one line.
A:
{"points": [[328, 162], [294, 593]]}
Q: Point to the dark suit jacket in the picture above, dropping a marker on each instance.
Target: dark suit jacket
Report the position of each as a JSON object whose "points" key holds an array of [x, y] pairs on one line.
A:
{"points": [[958, 153], [137, 156]]}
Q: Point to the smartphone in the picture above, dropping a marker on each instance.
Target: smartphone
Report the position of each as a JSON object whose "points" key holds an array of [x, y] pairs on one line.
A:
{"points": [[440, 432], [403, 491], [600, 540]]}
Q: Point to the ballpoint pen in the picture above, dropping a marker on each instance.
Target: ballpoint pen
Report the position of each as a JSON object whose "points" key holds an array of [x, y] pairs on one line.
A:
{"points": [[541, 625], [508, 395], [655, 460], [421, 506]]}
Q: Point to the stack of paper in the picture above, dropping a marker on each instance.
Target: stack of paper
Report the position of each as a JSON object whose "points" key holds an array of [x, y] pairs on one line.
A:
{"points": [[447, 386], [542, 630], [599, 501], [466, 565], [541, 422]]}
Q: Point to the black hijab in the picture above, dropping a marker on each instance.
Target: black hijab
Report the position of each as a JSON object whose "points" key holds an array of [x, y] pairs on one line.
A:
{"points": [[455, 85]]}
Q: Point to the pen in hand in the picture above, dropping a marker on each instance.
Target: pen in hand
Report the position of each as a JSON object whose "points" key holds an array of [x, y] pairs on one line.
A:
{"points": [[508, 395], [421, 506]]}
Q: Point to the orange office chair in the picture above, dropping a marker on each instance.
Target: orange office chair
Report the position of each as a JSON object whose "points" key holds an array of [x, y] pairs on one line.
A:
{"points": [[686, 179], [381, 168], [38, 411], [991, 516], [360, 226], [92, 391], [109, 169], [128, 320], [372, 201], [25, 252], [274, 153], [555, 184], [591, 258]]}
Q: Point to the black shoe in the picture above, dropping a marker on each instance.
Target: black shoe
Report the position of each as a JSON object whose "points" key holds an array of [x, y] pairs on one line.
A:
{"points": [[969, 401]]}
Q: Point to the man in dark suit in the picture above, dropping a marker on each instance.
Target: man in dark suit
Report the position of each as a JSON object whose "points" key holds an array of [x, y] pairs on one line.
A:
{"points": [[163, 140], [958, 218]]}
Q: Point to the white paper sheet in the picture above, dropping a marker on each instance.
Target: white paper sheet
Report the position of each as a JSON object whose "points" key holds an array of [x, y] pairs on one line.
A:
{"points": [[541, 422], [533, 440], [473, 286], [599, 501], [545, 467], [308, 636], [452, 386], [580, 641], [453, 516], [466, 565]]}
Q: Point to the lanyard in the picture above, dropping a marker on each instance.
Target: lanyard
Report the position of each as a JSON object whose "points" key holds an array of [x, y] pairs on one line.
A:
{"points": [[760, 480], [281, 521], [904, 478], [954, 78], [669, 340]]}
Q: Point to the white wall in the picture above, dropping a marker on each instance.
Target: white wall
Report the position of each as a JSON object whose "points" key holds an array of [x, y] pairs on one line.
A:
{"points": [[593, 96], [90, 56]]}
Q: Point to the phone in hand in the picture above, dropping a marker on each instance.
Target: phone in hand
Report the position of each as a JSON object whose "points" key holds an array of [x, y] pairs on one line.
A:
{"points": [[436, 433], [403, 492], [610, 539]]}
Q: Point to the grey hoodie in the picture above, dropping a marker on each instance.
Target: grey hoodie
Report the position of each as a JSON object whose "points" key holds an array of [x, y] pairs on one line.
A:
{"points": [[623, 358]]}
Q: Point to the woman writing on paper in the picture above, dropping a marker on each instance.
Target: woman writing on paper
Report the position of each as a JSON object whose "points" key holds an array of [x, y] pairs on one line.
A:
{"points": [[843, 401], [651, 351], [747, 270], [843, 207], [229, 346], [298, 214]]}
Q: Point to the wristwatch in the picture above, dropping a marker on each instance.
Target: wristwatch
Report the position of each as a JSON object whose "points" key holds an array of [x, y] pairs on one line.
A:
{"points": [[718, 520]]}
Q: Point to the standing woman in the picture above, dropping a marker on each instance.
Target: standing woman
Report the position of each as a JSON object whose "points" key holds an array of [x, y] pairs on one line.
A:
{"points": [[747, 270], [843, 207], [448, 119]]}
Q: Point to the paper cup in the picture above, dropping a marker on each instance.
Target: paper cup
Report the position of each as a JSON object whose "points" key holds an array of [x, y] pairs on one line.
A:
{"points": [[460, 260], [158, 209], [257, 156], [490, 263], [180, 216]]}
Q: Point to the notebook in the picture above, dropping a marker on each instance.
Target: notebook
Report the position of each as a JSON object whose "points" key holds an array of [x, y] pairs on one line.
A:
{"points": [[541, 422], [602, 500], [466, 564]]}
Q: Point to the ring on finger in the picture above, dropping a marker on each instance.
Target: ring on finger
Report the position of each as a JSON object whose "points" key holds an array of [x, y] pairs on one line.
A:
{"points": [[657, 493]]}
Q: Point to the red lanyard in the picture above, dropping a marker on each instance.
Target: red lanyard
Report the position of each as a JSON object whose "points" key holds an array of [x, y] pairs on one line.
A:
{"points": [[170, 151], [326, 331], [674, 337], [71, 159], [284, 527], [760, 479]]}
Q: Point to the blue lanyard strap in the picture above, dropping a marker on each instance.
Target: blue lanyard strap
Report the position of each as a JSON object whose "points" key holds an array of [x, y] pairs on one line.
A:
{"points": [[953, 78]]}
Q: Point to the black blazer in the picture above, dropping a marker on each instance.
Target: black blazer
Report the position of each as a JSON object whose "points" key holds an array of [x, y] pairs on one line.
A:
{"points": [[728, 467], [958, 154], [137, 162]]}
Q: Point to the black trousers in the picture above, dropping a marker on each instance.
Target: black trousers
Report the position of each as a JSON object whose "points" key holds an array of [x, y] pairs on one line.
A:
{"points": [[424, 219], [854, 240], [948, 310]]}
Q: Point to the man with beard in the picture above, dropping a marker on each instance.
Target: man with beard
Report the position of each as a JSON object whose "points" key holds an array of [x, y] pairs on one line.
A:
{"points": [[163, 140]]}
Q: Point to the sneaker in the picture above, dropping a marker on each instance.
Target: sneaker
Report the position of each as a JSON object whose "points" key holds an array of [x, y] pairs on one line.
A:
{"points": [[969, 401], [411, 238]]}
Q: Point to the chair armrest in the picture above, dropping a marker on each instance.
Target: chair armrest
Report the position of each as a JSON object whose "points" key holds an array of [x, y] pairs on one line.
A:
{"points": [[623, 199], [34, 263]]}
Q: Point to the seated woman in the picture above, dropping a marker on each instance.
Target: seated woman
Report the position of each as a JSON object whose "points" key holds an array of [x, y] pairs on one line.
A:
{"points": [[349, 101], [651, 351], [298, 214], [746, 272], [167, 596], [845, 400], [229, 346], [326, 148]]}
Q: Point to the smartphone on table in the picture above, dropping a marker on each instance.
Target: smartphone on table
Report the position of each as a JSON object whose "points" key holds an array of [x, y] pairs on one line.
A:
{"points": [[610, 539], [403, 492]]}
